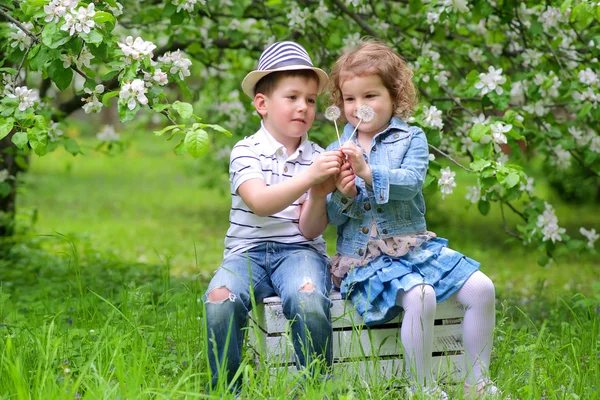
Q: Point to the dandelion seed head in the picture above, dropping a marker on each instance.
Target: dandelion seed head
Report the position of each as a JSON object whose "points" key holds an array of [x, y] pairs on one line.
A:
{"points": [[365, 113], [332, 113]]}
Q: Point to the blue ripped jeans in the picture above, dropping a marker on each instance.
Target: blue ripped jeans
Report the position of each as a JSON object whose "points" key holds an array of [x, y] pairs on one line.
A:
{"points": [[272, 269]]}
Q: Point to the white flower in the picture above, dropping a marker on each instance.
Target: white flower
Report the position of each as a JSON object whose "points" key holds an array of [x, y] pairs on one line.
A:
{"points": [[481, 119], [116, 11], [4, 175], [563, 157], [187, 5], [491, 81], [431, 157], [517, 91], [19, 37], [550, 18], [81, 20], [532, 57], [57, 9], [92, 104], [332, 113], [590, 235], [351, 41], [160, 77], [8, 84], [549, 224], [595, 144], [581, 138], [527, 187], [365, 113], [297, 18], [588, 77], [134, 49], [446, 182], [498, 132], [432, 117], [474, 194], [538, 108], [132, 92], [66, 60], [442, 77], [428, 52], [85, 57], [180, 64], [108, 134], [53, 132], [476, 55], [25, 97]]}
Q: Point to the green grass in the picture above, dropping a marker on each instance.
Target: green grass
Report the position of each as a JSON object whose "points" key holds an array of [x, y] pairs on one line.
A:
{"points": [[112, 310]]}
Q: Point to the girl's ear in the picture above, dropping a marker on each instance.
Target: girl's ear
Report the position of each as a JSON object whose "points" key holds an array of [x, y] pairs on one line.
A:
{"points": [[260, 103]]}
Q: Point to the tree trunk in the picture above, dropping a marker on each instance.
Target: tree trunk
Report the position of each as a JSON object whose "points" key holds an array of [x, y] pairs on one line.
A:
{"points": [[8, 154]]}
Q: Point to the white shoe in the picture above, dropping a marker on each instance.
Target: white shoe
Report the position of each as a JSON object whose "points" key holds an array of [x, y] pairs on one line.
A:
{"points": [[483, 390]]}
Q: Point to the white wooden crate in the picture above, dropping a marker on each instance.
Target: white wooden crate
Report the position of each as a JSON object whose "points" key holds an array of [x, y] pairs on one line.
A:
{"points": [[358, 350]]}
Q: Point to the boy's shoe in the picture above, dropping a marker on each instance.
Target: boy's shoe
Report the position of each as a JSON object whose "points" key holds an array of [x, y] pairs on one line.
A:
{"points": [[431, 392], [482, 390]]}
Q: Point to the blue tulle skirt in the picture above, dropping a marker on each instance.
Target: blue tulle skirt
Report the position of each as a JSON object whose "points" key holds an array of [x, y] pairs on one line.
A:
{"points": [[374, 287]]}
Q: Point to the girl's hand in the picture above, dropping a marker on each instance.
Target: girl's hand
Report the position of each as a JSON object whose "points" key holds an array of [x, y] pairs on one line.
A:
{"points": [[345, 181], [324, 188], [357, 161]]}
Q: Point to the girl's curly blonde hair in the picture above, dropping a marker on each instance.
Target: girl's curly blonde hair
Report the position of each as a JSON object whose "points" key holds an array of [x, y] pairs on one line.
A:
{"points": [[372, 57]]}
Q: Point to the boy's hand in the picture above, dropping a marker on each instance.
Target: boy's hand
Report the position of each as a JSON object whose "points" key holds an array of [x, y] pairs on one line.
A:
{"points": [[326, 165], [324, 188], [357, 161], [345, 181]]}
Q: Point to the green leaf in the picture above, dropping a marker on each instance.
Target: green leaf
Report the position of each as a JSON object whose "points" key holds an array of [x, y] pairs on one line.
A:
{"points": [[107, 96], [20, 140], [511, 180], [62, 77], [585, 110], [125, 114], [196, 143], [5, 189], [167, 129], [102, 16], [6, 126], [72, 146], [543, 260], [479, 164], [53, 37], [582, 15], [483, 206], [93, 37], [565, 4], [479, 131], [185, 110], [219, 128], [180, 148]]}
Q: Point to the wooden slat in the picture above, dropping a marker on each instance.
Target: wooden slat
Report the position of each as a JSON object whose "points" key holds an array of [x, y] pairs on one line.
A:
{"points": [[343, 315], [353, 344]]}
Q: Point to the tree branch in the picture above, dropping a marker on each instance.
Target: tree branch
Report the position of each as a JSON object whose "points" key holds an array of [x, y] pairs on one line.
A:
{"points": [[449, 158], [357, 19], [505, 225], [14, 21]]}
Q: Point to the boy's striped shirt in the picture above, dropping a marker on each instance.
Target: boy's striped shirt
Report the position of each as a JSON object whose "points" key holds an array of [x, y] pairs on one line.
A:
{"points": [[261, 156]]}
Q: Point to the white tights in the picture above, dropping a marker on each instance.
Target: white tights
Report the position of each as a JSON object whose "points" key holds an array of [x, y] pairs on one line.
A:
{"points": [[478, 296]]}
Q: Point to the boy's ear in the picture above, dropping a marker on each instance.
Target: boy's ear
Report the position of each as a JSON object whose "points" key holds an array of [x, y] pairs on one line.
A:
{"points": [[260, 103]]}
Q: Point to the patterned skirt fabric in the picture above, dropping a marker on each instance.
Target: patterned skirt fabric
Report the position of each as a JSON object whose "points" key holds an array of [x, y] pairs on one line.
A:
{"points": [[374, 287]]}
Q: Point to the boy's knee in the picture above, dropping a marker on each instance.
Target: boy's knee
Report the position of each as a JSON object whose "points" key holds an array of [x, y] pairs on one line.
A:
{"points": [[220, 294], [307, 287]]}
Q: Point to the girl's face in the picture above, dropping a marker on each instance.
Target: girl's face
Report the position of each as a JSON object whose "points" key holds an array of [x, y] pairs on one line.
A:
{"points": [[368, 90]]}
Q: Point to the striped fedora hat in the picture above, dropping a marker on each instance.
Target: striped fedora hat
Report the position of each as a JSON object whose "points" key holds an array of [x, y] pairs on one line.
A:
{"points": [[281, 56]]}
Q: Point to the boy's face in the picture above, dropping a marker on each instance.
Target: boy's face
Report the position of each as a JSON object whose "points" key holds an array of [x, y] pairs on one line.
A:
{"points": [[289, 111]]}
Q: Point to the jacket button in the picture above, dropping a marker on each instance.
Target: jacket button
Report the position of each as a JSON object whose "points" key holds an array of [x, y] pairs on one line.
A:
{"points": [[396, 136], [374, 148], [361, 252], [379, 209], [367, 206], [385, 231], [285, 169], [344, 200], [365, 230]]}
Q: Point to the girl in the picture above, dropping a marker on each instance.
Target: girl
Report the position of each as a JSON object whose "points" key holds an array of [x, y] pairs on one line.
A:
{"points": [[386, 259]]}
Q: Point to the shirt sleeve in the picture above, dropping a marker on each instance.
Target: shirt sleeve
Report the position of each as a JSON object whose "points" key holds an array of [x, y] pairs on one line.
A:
{"points": [[244, 164], [406, 182]]}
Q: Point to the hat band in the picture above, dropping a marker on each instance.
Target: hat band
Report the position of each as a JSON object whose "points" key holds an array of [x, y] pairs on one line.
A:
{"points": [[287, 63]]}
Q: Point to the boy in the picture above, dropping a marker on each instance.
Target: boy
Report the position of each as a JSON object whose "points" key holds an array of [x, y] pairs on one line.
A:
{"points": [[274, 241]]}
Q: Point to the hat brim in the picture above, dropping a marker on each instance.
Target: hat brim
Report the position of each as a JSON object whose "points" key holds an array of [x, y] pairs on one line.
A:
{"points": [[253, 77]]}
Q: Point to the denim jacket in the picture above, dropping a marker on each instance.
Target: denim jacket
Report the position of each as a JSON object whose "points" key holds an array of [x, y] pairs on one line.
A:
{"points": [[398, 160]]}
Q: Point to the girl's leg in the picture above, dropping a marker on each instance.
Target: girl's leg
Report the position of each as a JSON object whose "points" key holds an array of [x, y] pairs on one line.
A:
{"points": [[417, 331], [478, 295]]}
